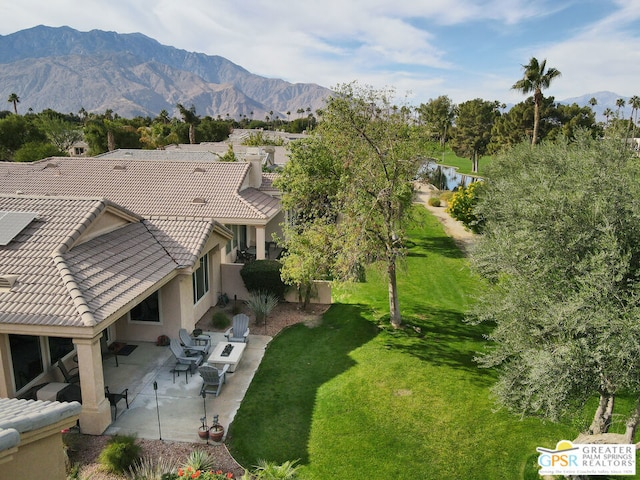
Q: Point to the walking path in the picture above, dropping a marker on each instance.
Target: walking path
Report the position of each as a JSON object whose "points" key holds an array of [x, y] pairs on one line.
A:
{"points": [[456, 230]]}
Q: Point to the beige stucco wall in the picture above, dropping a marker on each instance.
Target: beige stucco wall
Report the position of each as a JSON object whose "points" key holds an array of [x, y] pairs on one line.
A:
{"points": [[40, 454], [322, 293], [232, 283]]}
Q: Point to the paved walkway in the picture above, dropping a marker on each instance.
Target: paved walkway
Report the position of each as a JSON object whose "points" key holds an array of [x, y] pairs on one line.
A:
{"points": [[178, 403]]}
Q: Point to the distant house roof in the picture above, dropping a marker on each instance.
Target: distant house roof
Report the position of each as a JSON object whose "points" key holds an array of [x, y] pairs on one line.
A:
{"points": [[64, 274], [21, 416], [168, 187]]}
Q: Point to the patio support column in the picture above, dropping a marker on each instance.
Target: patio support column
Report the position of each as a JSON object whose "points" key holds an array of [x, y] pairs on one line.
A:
{"points": [[6, 385], [96, 411], [260, 238]]}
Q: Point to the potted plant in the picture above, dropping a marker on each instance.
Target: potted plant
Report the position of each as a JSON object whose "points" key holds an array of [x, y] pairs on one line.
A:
{"points": [[216, 432], [203, 431]]}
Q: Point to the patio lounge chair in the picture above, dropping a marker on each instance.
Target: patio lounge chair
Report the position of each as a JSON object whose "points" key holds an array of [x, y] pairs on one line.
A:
{"points": [[70, 376], [190, 344], [193, 360], [213, 378], [239, 331]]}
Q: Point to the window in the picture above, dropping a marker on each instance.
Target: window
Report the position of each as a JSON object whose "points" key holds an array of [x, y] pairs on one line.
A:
{"points": [[201, 278], [148, 310], [26, 358], [59, 347]]}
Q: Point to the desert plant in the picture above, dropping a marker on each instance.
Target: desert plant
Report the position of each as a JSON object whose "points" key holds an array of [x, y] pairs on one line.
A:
{"points": [[434, 202], [261, 304], [199, 460], [220, 321], [120, 453], [273, 471], [148, 468]]}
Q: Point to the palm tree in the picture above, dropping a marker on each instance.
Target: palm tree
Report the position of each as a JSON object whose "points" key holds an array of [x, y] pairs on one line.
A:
{"points": [[13, 98], [189, 116], [535, 79], [635, 105], [593, 101], [607, 113], [620, 103]]}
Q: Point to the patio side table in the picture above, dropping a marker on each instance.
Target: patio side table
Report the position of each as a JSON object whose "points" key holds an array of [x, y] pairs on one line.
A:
{"points": [[181, 367]]}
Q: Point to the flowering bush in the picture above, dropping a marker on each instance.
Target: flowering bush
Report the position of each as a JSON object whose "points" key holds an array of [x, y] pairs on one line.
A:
{"points": [[190, 472], [461, 206]]}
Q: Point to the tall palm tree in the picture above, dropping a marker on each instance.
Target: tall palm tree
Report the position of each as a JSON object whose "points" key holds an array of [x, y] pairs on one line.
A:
{"points": [[607, 113], [620, 103], [536, 78], [189, 116], [13, 98], [635, 105]]}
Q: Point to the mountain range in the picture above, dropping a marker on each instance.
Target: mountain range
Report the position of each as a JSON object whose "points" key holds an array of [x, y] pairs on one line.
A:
{"points": [[66, 70], [131, 74]]}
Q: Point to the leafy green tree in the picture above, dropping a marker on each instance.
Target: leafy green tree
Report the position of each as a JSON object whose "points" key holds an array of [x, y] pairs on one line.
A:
{"points": [[59, 131], [210, 130], [536, 78], [561, 248], [32, 151], [311, 183], [16, 131], [472, 133], [438, 114], [13, 98], [375, 152]]}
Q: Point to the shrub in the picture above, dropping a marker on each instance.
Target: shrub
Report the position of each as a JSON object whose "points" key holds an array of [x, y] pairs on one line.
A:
{"points": [[461, 207], [264, 276], [148, 468], [120, 453], [434, 201], [446, 195], [220, 321], [261, 304]]}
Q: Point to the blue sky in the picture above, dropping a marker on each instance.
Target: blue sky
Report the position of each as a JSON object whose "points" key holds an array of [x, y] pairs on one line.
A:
{"points": [[422, 48]]}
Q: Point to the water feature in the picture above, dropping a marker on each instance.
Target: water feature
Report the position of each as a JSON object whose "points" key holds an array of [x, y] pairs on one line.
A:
{"points": [[445, 177]]}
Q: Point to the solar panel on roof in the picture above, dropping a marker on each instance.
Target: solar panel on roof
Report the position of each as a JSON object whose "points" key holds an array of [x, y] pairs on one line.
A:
{"points": [[12, 223]]}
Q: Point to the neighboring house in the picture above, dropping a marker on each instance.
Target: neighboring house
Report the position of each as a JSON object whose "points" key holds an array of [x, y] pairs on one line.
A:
{"points": [[98, 249], [31, 440]]}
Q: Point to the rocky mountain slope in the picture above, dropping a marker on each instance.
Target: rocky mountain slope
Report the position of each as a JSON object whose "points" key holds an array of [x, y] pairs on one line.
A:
{"points": [[66, 70]]}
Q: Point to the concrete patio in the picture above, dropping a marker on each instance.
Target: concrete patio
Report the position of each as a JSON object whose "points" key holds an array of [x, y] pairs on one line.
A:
{"points": [[179, 404]]}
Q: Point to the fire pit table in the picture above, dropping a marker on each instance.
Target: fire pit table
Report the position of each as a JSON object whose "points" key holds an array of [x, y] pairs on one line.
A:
{"points": [[228, 353]]}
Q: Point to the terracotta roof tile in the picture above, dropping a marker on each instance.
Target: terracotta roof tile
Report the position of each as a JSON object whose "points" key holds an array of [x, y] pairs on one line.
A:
{"points": [[92, 280], [146, 187]]}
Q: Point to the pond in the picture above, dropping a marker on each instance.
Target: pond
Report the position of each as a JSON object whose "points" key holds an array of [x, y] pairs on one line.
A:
{"points": [[445, 177]]}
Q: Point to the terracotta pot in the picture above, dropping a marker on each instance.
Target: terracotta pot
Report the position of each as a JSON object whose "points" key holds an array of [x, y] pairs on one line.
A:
{"points": [[203, 433], [216, 433]]}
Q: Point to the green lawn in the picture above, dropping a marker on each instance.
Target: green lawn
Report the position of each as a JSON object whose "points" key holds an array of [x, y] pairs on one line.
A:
{"points": [[355, 399], [463, 164]]}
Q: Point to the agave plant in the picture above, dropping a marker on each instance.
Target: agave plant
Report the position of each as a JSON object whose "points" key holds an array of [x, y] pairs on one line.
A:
{"points": [[199, 460], [261, 304], [272, 471]]}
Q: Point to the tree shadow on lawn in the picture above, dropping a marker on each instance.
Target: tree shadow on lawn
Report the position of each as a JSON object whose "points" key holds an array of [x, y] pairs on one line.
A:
{"points": [[442, 338], [438, 245], [274, 419]]}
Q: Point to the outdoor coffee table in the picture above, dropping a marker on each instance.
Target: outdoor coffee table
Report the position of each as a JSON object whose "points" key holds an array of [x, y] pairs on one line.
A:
{"points": [[218, 359]]}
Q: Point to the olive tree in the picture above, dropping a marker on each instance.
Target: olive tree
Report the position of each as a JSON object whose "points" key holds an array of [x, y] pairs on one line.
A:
{"points": [[561, 248]]}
